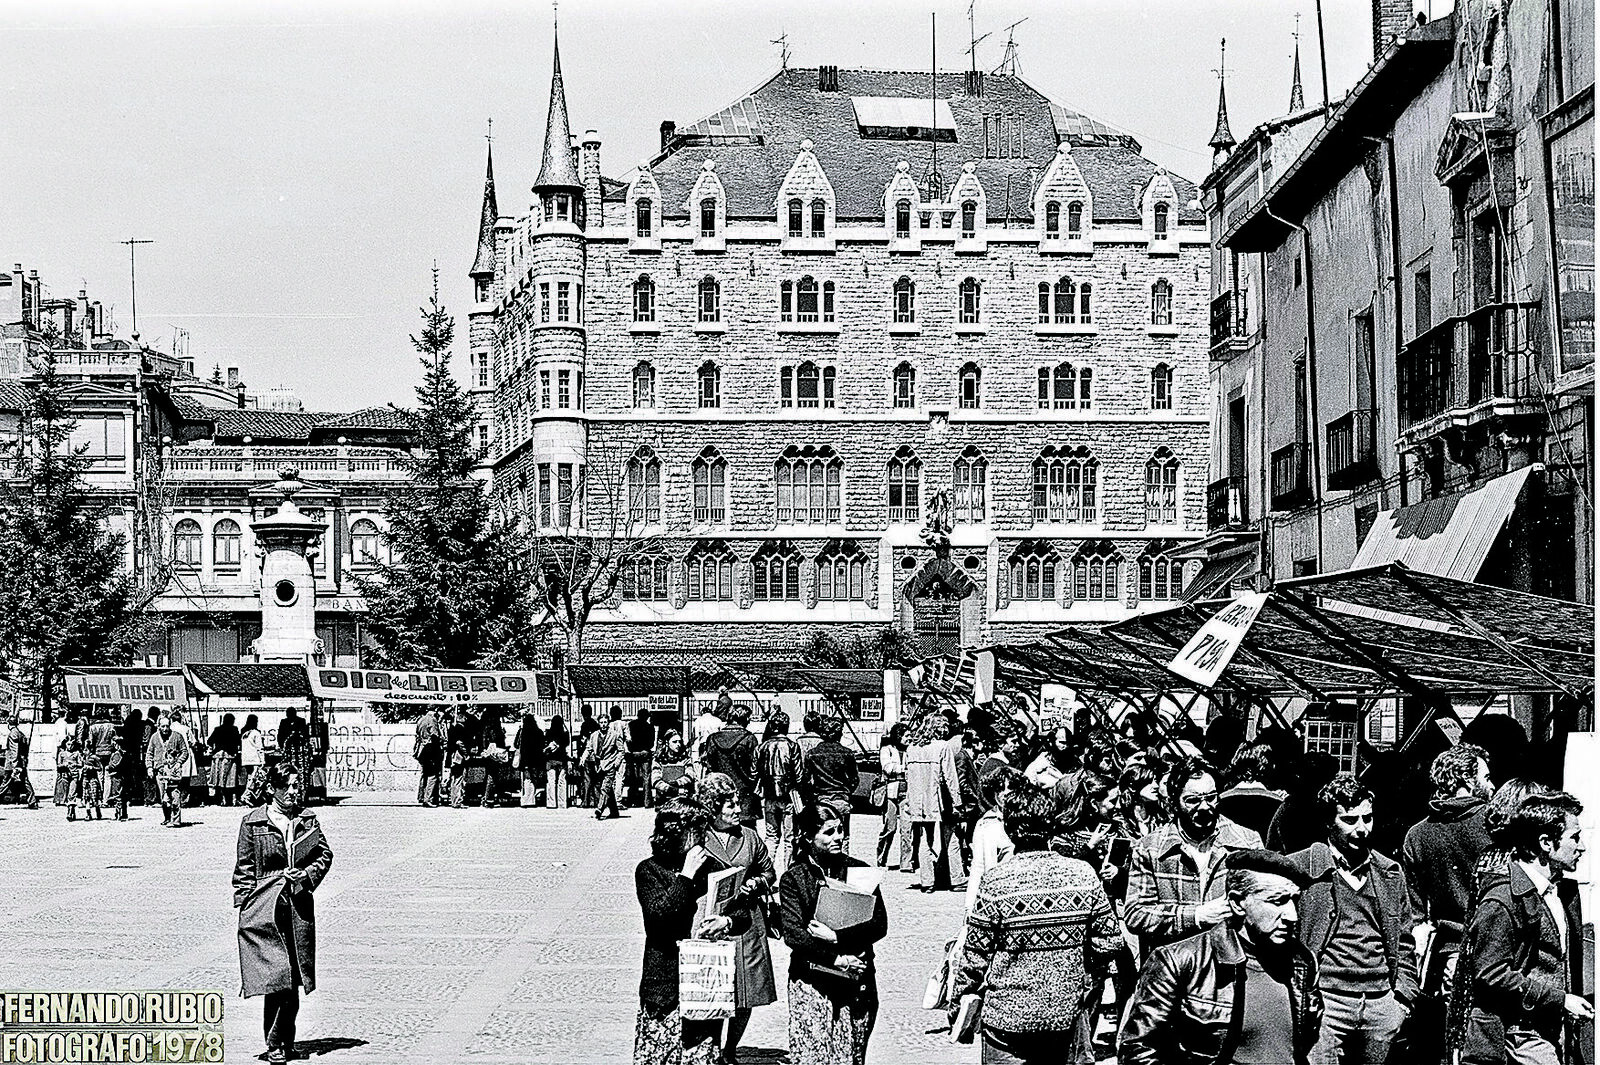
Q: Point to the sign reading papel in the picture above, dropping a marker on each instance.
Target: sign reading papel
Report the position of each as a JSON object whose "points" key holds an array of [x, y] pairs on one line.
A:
{"points": [[1212, 647]]}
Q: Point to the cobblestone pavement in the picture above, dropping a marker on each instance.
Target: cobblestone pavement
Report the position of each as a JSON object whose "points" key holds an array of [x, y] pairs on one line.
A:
{"points": [[443, 935]]}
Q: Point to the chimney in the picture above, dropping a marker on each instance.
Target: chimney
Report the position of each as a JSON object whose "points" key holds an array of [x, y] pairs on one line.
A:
{"points": [[233, 377], [589, 171], [1391, 19], [828, 79], [974, 83], [668, 128]]}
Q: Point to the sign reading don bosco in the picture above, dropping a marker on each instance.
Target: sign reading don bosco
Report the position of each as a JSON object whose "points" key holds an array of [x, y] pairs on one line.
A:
{"points": [[125, 689], [448, 686]]}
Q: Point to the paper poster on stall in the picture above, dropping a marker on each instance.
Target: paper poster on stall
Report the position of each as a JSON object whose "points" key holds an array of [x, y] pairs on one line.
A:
{"points": [[1210, 649]]}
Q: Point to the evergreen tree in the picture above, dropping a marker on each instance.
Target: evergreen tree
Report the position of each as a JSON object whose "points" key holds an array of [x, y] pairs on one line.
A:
{"points": [[66, 597], [455, 593]]}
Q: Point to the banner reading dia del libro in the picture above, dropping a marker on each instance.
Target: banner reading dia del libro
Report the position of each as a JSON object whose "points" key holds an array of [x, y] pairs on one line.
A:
{"points": [[446, 686]]}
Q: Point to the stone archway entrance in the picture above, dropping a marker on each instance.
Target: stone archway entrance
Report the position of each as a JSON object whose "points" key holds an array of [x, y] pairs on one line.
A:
{"points": [[938, 608]]}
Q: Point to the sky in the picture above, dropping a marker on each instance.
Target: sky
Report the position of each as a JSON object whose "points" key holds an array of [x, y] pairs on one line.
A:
{"points": [[301, 167]]}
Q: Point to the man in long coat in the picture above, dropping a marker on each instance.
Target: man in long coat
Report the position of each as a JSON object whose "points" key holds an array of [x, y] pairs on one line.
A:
{"points": [[282, 858]]}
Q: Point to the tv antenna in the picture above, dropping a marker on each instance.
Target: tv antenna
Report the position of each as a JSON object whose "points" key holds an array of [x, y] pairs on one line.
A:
{"points": [[133, 281], [782, 41], [1009, 66]]}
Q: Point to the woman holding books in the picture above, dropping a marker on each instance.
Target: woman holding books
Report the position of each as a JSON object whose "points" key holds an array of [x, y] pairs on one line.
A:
{"points": [[670, 883], [737, 846], [833, 988]]}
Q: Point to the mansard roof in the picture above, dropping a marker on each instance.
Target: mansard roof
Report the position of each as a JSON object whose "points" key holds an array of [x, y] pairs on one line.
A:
{"points": [[755, 140]]}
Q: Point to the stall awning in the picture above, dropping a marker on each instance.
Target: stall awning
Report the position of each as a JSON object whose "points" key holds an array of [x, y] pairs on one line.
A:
{"points": [[1449, 536], [628, 682], [271, 680]]}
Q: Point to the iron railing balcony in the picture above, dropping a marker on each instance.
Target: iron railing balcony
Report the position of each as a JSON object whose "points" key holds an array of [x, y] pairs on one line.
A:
{"points": [[1352, 449], [1291, 477], [1227, 503], [1227, 323], [1488, 355]]}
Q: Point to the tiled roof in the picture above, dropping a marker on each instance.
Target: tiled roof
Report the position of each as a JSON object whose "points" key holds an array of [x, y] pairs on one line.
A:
{"points": [[368, 418], [755, 141], [628, 682], [264, 425], [13, 396], [268, 679]]}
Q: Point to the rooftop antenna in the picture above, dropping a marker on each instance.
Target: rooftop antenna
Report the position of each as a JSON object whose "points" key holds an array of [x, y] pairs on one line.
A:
{"points": [[782, 41], [1322, 54], [933, 93], [1009, 66], [490, 135], [133, 281]]}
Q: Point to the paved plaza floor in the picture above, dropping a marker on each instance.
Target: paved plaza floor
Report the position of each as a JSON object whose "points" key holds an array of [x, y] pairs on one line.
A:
{"points": [[443, 935]]}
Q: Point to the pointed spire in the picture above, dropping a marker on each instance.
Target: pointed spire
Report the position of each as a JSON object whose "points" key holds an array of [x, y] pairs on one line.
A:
{"points": [[483, 262], [558, 169], [1222, 136], [1297, 95]]}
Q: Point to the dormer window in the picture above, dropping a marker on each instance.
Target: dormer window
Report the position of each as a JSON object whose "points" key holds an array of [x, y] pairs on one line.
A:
{"points": [[819, 218], [1052, 220], [708, 218], [1074, 220], [902, 219], [969, 220], [481, 290], [563, 208], [1161, 213], [796, 218], [642, 226]]}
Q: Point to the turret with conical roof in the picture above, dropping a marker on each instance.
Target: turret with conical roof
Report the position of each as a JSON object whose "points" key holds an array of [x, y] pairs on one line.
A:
{"points": [[1222, 136], [558, 170], [483, 262]]}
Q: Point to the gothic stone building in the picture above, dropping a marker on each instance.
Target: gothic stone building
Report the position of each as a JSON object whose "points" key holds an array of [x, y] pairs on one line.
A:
{"points": [[794, 335]]}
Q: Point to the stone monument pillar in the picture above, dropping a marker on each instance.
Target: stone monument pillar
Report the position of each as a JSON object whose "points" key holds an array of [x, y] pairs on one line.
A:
{"points": [[287, 542]]}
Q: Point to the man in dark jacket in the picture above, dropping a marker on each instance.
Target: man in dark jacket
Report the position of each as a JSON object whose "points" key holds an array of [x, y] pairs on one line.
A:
{"points": [[1524, 948], [1355, 917], [641, 745], [463, 741], [1243, 992], [428, 749], [830, 772], [732, 750]]}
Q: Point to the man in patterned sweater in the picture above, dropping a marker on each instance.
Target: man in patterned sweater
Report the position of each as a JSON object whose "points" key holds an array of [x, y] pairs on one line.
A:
{"points": [[1039, 940]]}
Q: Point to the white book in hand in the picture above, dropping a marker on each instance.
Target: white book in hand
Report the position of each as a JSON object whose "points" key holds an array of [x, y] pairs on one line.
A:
{"points": [[965, 1027], [722, 887]]}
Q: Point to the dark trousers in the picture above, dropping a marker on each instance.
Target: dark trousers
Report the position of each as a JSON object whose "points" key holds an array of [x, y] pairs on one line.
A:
{"points": [[610, 792], [278, 1013], [1027, 1048], [428, 783]]}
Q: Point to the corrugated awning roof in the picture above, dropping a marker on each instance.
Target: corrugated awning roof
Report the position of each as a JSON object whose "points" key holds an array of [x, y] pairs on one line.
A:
{"points": [[1449, 536]]}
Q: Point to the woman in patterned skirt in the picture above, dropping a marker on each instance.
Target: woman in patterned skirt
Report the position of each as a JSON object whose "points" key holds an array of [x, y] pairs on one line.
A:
{"points": [[833, 987], [670, 883]]}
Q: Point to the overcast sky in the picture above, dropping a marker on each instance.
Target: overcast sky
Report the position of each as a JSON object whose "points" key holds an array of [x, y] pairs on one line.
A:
{"points": [[301, 166]]}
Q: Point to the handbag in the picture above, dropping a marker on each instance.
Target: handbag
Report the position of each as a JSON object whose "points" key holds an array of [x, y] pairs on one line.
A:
{"points": [[879, 794], [706, 972]]}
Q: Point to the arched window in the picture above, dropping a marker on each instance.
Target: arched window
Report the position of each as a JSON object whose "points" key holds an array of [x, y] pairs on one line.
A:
{"points": [[819, 218], [1065, 387], [225, 544], [644, 299], [1065, 487], [827, 301], [805, 300], [1065, 310], [796, 218], [1052, 220], [1161, 489], [971, 301], [808, 483], [905, 385], [971, 482], [709, 385], [644, 385], [644, 488], [710, 300], [905, 487], [775, 572], [969, 219], [1033, 572], [642, 222], [1160, 214], [1097, 574], [1161, 387], [905, 301], [1160, 578], [708, 218], [842, 573], [1085, 388], [1085, 305], [1161, 302], [710, 573], [970, 384], [644, 579], [186, 540], [364, 543], [786, 301], [806, 385], [710, 473], [1075, 220], [902, 219]]}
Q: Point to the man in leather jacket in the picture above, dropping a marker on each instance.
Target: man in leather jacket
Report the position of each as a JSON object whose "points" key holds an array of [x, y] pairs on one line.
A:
{"points": [[1243, 992]]}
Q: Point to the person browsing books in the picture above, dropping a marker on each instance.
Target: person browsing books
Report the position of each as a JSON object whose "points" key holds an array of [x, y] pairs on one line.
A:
{"points": [[833, 989]]}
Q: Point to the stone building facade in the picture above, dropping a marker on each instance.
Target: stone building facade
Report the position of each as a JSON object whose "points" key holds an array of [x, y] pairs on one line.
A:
{"points": [[816, 379]]}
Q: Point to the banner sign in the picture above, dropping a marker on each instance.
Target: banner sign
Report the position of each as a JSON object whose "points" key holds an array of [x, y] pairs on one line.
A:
{"points": [[448, 686], [1212, 647], [126, 689]]}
